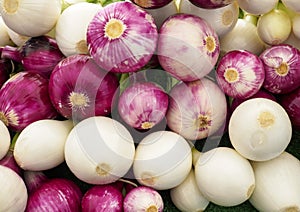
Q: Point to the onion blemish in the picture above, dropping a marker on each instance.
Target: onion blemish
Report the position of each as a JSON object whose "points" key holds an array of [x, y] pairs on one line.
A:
{"points": [[114, 28], [10, 6], [81, 47], [266, 119], [103, 169], [148, 179]]}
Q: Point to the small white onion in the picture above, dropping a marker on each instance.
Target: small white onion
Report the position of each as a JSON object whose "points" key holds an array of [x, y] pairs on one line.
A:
{"points": [[163, 160], [4, 140], [277, 184], [224, 177], [296, 25], [30, 17], [4, 36], [293, 41], [187, 196], [99, 150], [257, 7], [292, 5], [222, 19], [71, 27], [16, 38], [13, 194], [40, 145]]}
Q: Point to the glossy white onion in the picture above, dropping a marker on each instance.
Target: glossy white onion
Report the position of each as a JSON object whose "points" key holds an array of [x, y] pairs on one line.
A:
{"points": [[16, 38], [224, 177], [163, 160], [296, 25], [277, 184], [292, 5], [40, 145], [4, 36], [4, 140], [257, 7], [260, 129], [99, 150]]}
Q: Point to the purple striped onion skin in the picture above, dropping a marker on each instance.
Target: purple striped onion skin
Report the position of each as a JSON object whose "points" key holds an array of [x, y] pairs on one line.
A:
{"points": [[151, 4], [122, 37], [211, 4], [240, 74], [188, 47], [24, 98]]}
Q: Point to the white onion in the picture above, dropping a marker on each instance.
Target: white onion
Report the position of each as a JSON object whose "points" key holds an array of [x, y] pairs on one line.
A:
{"points": [[4, 36], [40, 145], [259, 129], [13, 194], [257, 7], [277, 184], [71, 27], [293, 41], [187, 196], [224, 177], [99, 150], [296, 25], [163, 160], [17, 39], [4, 140], [292, 5]]}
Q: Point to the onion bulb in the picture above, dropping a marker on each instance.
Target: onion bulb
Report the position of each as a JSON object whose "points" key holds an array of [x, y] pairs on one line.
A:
{"points": [[296, 25], [292, 5], [257, 7], [4, 36], [211, 4], [4, 140]]}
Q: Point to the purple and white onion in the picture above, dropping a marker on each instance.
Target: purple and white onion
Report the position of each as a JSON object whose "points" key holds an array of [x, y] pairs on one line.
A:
{"points": [[151, 4], [211, 4]]}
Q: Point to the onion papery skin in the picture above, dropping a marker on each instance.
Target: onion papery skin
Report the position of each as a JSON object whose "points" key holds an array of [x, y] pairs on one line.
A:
{"points": [[151, 4], [122, 37], [24, 98], [79, 88], [211, 4], [143, 105], [240, 74], [190, 53], [282, 68], [291, 103], [196, 109], [57, 194], [101, 198]]}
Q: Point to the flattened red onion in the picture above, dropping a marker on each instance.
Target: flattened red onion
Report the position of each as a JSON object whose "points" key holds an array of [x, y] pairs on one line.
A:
{"points": [[122, 37], [282, 68], [24, 98], [240, 74], [101, 198], [211, 4], [79, 88]]}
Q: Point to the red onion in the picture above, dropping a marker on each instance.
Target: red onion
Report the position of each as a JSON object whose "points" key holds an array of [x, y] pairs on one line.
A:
{"points": [[5, 70], [211, 4], [151, 4], [282, 68], [188, 47], [143, 104], [122, 37], [101, 198], [79, 89], [291, 103], [10, 162], [197, 109], [34, 179], [143, 198], [24, 98], [240, 74], [57, 194]]}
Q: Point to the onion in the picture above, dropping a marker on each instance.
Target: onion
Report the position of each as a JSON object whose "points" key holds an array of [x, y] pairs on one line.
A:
{"points": [[211, 4], [191, 52], [142, 105], [36, 154], [57, 194], [4, 36], [187, 196], [257, 7], [162, 160], [143, 198], [34, 179], [13, 195], [296, 25], [80, 89], [9, 161], [122, 37], [30, 17], [74, 21], [6, 67], [16, 38], [151, 4], [291, 103], [21, 97], [292, 5], [196, 109], [293, 41], [270, 131], [224, 177], [282, 67], [221, 19], [99, 150], [102, 198], [240, 74], [277, 184], [4, 140]]}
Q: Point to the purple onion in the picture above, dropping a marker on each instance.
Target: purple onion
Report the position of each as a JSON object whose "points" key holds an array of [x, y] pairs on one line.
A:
{"points": [[79, 88], [24, 98], [211, 4], [282, 68], [143, 198], [101, 198], [240, 74], [142, 105], [291, 103], [10, 162], [5, 70], [151, 4], [122, 37], [34, 179], [57, 194], [188, 47]]}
